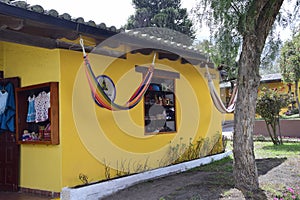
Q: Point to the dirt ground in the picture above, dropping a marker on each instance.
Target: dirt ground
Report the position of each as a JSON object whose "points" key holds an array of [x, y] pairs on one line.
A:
{"points": [[217, 183]]}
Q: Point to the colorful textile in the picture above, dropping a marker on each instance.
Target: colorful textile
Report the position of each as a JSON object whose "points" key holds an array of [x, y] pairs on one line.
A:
{"points": [[101, 97]]}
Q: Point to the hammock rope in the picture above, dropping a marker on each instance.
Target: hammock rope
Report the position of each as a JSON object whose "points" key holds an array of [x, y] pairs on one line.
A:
{"points": [[217, 99], [100, 95]]}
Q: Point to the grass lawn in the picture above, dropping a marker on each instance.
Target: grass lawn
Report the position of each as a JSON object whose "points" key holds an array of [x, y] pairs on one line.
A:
{"points": [[268, 158], [262, 150], [268, 150]]}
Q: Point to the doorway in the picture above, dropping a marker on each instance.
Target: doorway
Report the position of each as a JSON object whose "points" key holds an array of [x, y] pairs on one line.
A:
{"points": [[9, 151]]}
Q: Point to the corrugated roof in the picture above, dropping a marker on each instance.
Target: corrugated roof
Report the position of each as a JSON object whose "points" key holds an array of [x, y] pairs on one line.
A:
{"points": [[66, 16], [57, 26], [271, 77], [264, 79], [161, 41]]}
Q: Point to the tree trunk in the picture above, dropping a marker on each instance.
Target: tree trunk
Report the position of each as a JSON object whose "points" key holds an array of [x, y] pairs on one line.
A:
{"points": [[279, 130], [258, 22], [270, 133], [245, 171]]}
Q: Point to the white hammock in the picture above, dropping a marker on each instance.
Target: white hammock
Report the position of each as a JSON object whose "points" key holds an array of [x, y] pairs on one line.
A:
{"points": [[217, 99]]}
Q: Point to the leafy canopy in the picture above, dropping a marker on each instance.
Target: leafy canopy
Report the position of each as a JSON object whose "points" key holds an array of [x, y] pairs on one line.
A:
{"points": [[162, 14], [290, 60], [227, 20]]}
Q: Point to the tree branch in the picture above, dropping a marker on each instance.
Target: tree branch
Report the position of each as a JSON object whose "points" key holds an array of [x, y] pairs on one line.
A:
{"points": [[235, 9]]}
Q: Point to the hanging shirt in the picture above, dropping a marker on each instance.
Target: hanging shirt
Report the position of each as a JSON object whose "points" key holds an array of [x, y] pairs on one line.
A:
{"points": [[31, 109], [7, 118], [41, 105], [3, 99]]}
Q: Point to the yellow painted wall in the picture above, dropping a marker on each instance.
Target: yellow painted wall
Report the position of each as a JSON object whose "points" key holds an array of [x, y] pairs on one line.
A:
{"points": [[284, 89], [40, 165], [1, 56], [279, 84], [95, 137], [92, 138]]}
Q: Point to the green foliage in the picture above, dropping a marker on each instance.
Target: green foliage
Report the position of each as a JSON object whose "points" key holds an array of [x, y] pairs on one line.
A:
{"points": [[224, 19], [229, 22], [163, 14], [290, 60], [268, 106], [245, 24], [290, 63]]}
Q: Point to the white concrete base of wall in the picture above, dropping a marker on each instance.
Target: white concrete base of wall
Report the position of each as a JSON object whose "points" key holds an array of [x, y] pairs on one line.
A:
{"points": [[100, 190]]}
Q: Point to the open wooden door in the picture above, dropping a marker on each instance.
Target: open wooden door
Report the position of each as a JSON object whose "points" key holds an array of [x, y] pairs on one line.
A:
{"points": [[9, 152]]}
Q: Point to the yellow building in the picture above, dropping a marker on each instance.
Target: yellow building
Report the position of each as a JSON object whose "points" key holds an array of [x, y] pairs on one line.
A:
{"points": [[267, 81], [80, 141]]}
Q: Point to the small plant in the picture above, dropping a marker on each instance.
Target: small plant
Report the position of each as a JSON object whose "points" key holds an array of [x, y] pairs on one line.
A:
{"points": [[84, 178], [106, 170], [216, 144], [224, 143], [122, 168], [140, 167], [289, 194]]}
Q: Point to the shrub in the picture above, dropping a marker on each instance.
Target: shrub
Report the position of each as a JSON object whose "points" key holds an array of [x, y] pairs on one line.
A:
{"points": [[268, 106]]}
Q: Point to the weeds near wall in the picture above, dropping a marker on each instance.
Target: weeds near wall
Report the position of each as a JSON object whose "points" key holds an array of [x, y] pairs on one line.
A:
{"points": [[125, 168], [176, 154], [216, 141], [224, 143], [83, 178], [179, 153], [106, 170], [193, 150], [141, 167]]}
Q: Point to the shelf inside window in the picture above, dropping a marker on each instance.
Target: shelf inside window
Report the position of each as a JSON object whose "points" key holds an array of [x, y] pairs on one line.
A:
{"points": [[44, 131]]}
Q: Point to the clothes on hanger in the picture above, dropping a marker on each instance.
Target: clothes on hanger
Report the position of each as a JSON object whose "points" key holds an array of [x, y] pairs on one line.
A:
{"points": [[7, 117], [3, 100], [38, 107], [41, 105], [31, 109]]}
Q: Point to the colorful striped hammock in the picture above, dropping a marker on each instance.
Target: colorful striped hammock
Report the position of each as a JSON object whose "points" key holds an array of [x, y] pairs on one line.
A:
{"points": [[100, 96]]}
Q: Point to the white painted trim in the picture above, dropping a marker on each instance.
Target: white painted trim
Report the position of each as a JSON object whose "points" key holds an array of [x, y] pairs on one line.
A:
{"points": [[100, 190]]}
